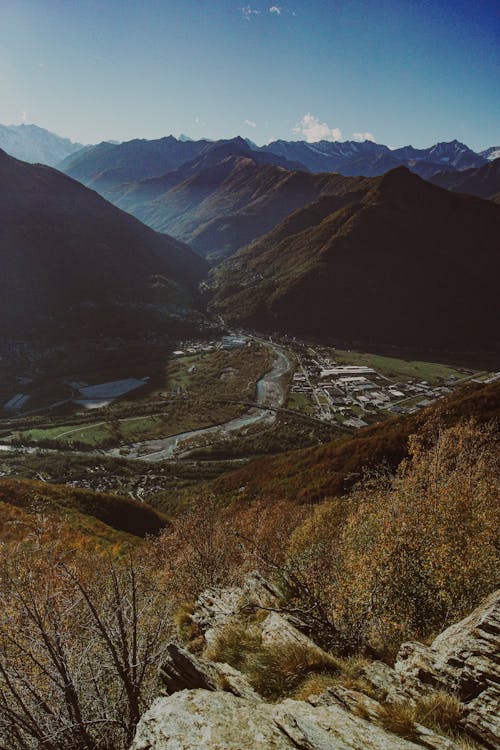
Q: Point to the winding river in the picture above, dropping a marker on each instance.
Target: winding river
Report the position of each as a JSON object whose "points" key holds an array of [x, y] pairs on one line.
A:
{"points": [[270, 395]]}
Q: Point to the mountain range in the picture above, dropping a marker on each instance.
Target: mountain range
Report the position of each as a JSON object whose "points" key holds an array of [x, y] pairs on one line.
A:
{"points": [[223, 199], [231, 192], [484, 182], [36, 145], [71, 258], [107, 164], [396, 261], [390, 260], [140, 158]]}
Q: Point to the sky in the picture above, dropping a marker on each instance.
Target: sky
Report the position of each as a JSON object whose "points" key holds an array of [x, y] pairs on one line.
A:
{"points": [[395, 71]]}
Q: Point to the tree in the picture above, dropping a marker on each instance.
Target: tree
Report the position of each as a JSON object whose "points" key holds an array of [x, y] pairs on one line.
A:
{"points": [[80, 644]]}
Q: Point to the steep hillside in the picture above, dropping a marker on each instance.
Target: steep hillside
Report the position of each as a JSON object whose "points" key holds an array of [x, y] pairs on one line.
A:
{"points": [[329, 470], [224, 199], [483, 182], [71, 258], [85, 517], [37, 145], [398, 262]]}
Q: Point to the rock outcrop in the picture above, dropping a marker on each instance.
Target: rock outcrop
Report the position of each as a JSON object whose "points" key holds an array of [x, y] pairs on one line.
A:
{"points": [[181, 670], [215, 607], [212, 705], [464, 660], [198, 719]]}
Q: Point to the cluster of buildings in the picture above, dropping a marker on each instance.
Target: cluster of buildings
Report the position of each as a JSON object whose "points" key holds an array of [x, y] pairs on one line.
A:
{"points": [[229, 342], [355, 395]]}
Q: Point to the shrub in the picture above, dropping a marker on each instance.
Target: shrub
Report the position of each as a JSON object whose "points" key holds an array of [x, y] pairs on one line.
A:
{"points": [[275, 670], [440, 711], [235, 644], [413, 553], [80, 642], [399, 718]]}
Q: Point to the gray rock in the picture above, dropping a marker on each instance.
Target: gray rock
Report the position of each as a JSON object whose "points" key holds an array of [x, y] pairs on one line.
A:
{"points": [[198, 719], [216, 607], [464, 660], [359, 704], [181, 670], [392, 686], [277, 630], [331, 727], [212, 705]]}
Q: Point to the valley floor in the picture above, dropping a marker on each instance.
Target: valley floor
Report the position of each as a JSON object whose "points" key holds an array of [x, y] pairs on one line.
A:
{"points": [[200, 410]]}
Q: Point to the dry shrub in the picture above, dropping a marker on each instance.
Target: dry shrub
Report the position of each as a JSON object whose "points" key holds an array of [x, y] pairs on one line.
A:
{"points": [[81, 637], [187, 629], [276, 670], [413, 553], [465, 743], [399, 718], [234, 644], [199, 551], [314, 684], [440, 711], [348, 674]]}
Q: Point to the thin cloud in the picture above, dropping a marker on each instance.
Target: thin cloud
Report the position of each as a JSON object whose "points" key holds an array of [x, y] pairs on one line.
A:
{"points": [[250, 123], [24, 117], [276, 10], [312, 130], [363, 137], [248, 12]]}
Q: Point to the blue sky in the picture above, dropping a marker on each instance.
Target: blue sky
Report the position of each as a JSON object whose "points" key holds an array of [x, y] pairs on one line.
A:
{"points": [[398, 71]]}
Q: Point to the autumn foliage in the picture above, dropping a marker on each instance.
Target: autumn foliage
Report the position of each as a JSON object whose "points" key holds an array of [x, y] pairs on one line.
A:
{"points": [[402, 555]]}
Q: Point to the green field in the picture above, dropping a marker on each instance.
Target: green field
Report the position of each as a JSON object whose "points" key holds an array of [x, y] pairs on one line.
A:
{"points": [[394, 368], [215, 392], [299, 402]]}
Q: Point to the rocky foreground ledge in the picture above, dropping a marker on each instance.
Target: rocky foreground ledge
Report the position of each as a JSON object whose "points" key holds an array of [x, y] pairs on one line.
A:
{"points": [[211, 705]]}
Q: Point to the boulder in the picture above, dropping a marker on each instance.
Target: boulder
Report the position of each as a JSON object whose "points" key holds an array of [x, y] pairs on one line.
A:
{"points": [[277, 630], [326, 725], [463, 660], [181, 670], [389, 684], [359, 704], [216, 607], [200, 719]]}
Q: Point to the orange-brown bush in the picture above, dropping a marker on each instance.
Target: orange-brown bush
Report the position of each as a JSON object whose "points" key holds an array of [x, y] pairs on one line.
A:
{"points": [[81, 638], [415, 551], [209, 545]]}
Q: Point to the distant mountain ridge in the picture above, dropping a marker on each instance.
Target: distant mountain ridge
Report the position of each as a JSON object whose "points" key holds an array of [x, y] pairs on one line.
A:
{"points": [[219, 196], [484, 182], [35, 145], [396, 262], [224, 199], [491, 153], [142, 159], [71, 260], [371, 159], [107, 165]]}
